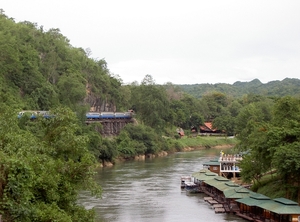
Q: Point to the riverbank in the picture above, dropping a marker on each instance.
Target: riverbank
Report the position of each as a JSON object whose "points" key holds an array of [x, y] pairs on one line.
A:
{"points": [[187, 144], [207, 142], [224, 146]]}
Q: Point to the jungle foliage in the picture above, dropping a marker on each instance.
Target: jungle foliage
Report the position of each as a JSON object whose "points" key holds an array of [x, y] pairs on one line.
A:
{"points": [[271, 134], [43, 166]]}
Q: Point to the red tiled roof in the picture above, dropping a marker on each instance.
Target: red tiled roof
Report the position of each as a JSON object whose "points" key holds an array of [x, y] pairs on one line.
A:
{"points": [[181, 133], [208, 127], [203, 127]]}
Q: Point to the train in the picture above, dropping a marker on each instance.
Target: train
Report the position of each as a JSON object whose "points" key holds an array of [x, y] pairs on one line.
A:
{"points": [[35, 114], [108, 115], [92, 116]]}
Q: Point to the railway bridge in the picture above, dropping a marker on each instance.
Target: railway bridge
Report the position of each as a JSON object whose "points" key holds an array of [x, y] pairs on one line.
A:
{"points": [[111, 127]]}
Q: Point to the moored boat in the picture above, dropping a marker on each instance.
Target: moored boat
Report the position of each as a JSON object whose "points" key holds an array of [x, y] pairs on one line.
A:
{"points": [[185, 179], [191, 187]]}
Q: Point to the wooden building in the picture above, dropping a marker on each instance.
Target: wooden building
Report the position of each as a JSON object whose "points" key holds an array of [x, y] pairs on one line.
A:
{"points": [[261, 208], [226, 165], [207, 129], [234, 198], [229, 165], [213, 166]]}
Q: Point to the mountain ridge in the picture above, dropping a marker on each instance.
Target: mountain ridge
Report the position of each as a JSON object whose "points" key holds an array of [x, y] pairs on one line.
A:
{"points": [[277, 88]]}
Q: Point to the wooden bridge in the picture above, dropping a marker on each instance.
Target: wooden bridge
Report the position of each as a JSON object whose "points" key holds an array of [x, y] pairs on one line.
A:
{"points": [[111, 127]]}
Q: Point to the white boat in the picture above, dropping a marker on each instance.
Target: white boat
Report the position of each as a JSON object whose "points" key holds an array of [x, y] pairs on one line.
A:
{"points": [[185, 179]]}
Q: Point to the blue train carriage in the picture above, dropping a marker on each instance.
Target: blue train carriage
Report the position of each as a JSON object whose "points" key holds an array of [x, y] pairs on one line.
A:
{"points": [[123, 115], [45, 114], [93, 115], [119, 115], [108, 115], [99, 115], [30, 113], [33, 114]]}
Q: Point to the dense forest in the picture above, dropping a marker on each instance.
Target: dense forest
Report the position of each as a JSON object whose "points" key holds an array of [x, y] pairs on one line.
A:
{"points": [[46, 162]]}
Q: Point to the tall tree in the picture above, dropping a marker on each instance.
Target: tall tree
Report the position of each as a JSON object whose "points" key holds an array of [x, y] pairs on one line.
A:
{"points": [[150, 103]]}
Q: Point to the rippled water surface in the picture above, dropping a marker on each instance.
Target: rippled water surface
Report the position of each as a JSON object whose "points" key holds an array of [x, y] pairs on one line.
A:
{"points": [[150, 191]]}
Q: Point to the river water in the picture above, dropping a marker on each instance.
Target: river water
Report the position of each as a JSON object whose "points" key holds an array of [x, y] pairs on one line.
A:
{"points": [[150, 190]]}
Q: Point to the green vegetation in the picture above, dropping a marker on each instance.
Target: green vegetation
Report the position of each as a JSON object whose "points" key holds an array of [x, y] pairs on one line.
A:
{"points": [[271, 134], [43, 171], [207, 142], [46, 162], [268, 184]]}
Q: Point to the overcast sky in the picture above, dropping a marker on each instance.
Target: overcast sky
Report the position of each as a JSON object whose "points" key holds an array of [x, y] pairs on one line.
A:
{"points": [[183, 42]]}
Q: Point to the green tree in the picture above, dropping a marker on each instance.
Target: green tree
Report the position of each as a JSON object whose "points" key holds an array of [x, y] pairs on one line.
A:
{"points": [[215, 102], [196, 120], [41, 174], [72, 89], [225, 123], [273, 141], [150, 103], [250, 119], [284, 143], [138, 139]]}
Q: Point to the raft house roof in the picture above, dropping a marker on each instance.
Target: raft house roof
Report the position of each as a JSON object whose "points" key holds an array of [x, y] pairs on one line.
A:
{"points": [[214, 182], [245, 196], [278, 205], [213, 162], [254, 200], [239, 192], [204, 175], [281, 206], [230, 189]]}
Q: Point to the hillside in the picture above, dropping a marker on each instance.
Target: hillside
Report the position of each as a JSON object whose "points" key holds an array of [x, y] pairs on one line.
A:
{"points": [[40, 69], [285, 87]]}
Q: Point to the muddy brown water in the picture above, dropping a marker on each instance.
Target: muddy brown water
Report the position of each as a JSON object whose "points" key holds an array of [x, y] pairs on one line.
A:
{"points": [[150, 191]]}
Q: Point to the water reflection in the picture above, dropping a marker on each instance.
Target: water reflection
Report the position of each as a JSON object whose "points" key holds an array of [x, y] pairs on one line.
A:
{"points": [[150, 191]]}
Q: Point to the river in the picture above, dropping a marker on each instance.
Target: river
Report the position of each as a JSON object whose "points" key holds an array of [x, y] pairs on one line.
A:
{"points": [[149, 190]]}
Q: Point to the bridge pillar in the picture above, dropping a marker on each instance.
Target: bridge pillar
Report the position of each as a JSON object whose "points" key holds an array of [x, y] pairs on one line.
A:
{"points": [[110, 127]]}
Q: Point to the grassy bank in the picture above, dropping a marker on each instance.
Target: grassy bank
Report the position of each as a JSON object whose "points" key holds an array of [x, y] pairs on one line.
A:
{"points": [[207, 142], [273, 186]]}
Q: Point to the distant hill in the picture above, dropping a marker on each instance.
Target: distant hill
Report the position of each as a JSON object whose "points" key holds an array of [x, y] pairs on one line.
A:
{"points": [[288, 86]]}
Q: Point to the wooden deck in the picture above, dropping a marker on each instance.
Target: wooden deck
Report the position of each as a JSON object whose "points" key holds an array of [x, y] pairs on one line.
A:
{"points": [[207, 198], [219, 210], [217, 205], [211, 202]]}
